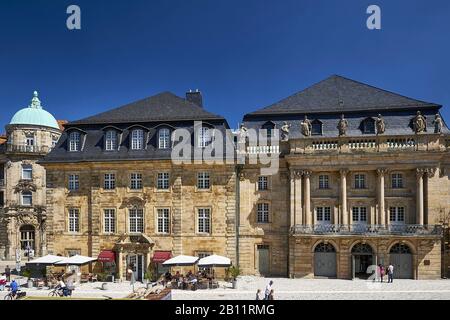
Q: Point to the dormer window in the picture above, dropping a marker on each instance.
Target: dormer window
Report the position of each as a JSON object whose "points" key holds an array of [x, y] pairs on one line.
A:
{"points": [[164, 138], [204, 137], [316, 128], [368, 126], [269, 126], [137, 139], [29, 140], [74, 141], [111, 140]]}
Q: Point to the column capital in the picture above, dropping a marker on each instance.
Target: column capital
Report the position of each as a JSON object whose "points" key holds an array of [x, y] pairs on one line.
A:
{"points": [[430, 172], [382, 171], [420, 172], [307, 173], [344, 171]]}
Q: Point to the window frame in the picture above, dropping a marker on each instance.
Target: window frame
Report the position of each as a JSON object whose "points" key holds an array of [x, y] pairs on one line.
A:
{"points": [[112, 221], [164, 141], [395, 214], [73, 213], [397, 180], [136, 182], [111, 140], [111, 180], [161, 179], [26, 195], [263, 213], [27, 168], [138, 141], [324, 212], [359, 183], [163, 221], [207, 221], [359, 212], [74, 141], [137, 218], [265, 183], [75, 183], [205, 137], [325, 184], [203, 181]]}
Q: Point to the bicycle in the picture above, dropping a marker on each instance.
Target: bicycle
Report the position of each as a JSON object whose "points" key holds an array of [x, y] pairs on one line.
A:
{"points": [[19, 295], [59, 292]]}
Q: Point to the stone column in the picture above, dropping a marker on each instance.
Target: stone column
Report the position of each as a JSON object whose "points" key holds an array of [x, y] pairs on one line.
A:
{"points": [[419, 196], [308, 214], [298, 198], [148, 259], [383, 217], [344, 213], [120, 264], [292, 198]]}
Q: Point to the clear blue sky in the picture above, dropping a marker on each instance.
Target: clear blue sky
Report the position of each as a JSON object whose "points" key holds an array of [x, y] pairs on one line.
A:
{"points": [[242, 55]]}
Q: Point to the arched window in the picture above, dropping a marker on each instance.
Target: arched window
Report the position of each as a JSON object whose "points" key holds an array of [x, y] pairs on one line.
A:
{"points": [[164, 138], [111, 140], [400, 248], [324, 247], [269, 126], [368, 126], [137, 139], [316, 128], [362, 248], [74, 141]]}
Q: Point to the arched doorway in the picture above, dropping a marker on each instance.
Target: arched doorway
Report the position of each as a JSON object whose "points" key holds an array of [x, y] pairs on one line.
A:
{"points": [[401, 258], [325, 260], [27, 238], [362, 258]]}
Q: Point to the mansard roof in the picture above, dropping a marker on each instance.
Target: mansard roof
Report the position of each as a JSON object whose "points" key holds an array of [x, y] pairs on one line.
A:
{"points": [[164, 106], [337, 94]]}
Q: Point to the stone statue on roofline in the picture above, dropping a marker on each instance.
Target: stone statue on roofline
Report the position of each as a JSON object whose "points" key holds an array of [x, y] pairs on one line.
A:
{"points": [[381, 126], [342, 126], [306, 127], [285, 131], [243, 132], [419, 123], [438, 123]]}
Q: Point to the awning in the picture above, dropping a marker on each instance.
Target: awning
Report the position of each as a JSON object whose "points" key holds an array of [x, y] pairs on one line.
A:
{"points": [[214, 261], [107, 256], [161, 256], [48, 259], [76, 260], [181, 261]]}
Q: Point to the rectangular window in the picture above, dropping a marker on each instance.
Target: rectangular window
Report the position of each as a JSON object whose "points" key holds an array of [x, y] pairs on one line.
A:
{"points": [[397, 215], [163, 220], [136, 181], [324, 182], [110, 181], [397, 181], [27, 172], [74, 182], [164, 138], [359, 214], [111, 140], [27, 198], [263, 183], [137, 139], [136, 220], [323, 215], [29, 141], [360, 181], [74, 220], [203, 180], [109, 221], [163, 181], [263, 213], [204, 220], [74, 141], [204, 137]]}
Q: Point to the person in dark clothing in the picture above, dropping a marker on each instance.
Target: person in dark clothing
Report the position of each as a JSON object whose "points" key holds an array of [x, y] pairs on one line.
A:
{"points": [[8, 273]]}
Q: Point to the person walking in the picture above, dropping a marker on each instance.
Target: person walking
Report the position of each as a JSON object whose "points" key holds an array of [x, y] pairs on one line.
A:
{"points": [[382, 272], [271, 295], [2, 282], [268, 289], [258, 294], [390, 273], [8, 273]]}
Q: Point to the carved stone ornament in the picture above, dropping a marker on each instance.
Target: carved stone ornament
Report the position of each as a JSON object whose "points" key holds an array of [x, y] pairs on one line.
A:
{"points": [[306, 127], [25, 185], [419, 123], [342, 126], [380, 124], [285, 131], [133, 202]]}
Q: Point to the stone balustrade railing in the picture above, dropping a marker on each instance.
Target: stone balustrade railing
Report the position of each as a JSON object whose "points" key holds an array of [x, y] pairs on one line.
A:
{"points": [[14, 148], [263, 149], [362, 144], [367, 229]]}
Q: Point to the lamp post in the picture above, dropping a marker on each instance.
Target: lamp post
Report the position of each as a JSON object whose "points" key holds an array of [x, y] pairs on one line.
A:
{"points": [[446, 239]]}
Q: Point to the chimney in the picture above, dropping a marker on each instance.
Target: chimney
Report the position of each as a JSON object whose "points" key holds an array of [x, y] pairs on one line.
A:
{"points": [[195, 97]]}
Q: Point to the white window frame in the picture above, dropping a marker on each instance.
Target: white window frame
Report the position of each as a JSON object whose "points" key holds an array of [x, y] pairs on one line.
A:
{"points": [[137, 139], [203, 180], [74, 141], [397, 181], [73, 225], [30, 140], [397, 215], [360, 181], [163, 181], [163, 220], [204, 137], [359, 212], [26, 195], [324, 182], [74, 182], [109, 221], [136, 181], [323, 215], [111, 140], [204, 220], [164, 138], [136, 223], [109, 181], [263, 183], [29, 169], [263, 212]]}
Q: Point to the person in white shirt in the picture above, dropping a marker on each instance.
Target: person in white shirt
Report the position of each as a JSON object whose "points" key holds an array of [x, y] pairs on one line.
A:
{"points": [[268, 289]]}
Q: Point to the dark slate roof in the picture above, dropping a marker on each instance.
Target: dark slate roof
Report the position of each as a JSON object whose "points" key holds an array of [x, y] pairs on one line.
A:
{"points": [[339, 94], [164, 106]]}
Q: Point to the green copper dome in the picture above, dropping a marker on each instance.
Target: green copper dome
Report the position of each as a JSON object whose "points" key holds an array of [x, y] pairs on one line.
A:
{"points": [[35, 115]]}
